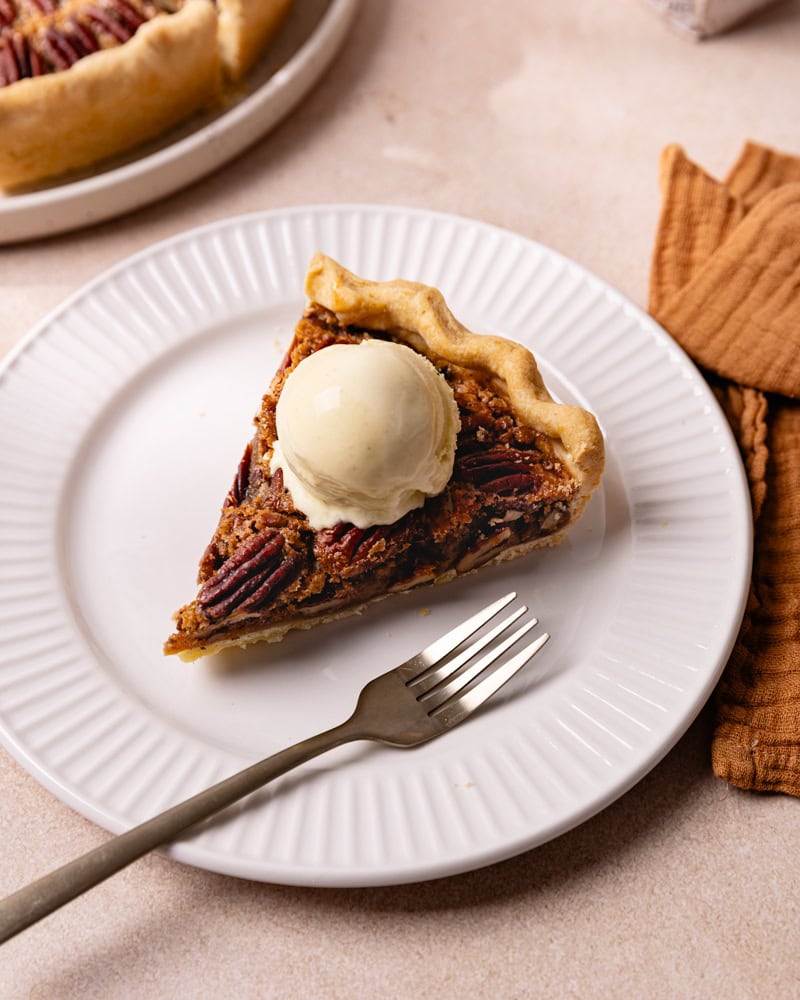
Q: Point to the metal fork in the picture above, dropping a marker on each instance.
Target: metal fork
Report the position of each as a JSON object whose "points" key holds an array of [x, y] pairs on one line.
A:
{"points": [[425, 696]]}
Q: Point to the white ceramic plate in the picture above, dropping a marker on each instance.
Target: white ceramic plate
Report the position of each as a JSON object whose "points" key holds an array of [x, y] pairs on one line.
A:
{"points": [[308, 41], [122, 419]]}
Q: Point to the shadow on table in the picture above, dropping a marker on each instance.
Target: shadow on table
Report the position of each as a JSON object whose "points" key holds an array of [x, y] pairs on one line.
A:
{"points": [[661, 803], [630, 823]]}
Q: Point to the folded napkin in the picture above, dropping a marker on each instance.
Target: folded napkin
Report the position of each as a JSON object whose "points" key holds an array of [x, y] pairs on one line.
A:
{"points": [[725, 282]]}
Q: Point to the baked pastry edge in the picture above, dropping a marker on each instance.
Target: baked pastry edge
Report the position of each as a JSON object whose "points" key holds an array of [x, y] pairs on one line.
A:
{"points": [[403, 307], [111, 100]]}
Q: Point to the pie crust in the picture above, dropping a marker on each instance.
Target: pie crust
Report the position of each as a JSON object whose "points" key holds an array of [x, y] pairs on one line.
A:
{"points": [[246, 27], [525, 468], [172, 66]]}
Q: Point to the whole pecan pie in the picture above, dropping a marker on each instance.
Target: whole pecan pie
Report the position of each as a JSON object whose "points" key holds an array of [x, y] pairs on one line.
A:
{"points": [[82, 80], [523, 469]]}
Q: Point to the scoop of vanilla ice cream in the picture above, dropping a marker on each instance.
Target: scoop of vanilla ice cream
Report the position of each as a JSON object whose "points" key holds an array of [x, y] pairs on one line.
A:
{"points": [[365, 433]]}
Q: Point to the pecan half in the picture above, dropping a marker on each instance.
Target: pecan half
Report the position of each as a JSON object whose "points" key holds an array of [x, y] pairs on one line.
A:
{"points": [[346, 549], [238, 490], [126, 13], [18, 58], [108, 19], [256, 570], [8, 13], [9, 67], [82, 37], [28, 58], [58, 50], [348, 539], [499, 470], [41, 6]]}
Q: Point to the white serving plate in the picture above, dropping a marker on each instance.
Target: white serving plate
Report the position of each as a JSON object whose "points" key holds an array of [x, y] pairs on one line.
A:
{"points": [[122, 419]]}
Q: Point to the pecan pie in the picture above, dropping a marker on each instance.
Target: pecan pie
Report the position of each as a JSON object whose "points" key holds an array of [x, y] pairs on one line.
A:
{"points": [[522, 471], [82, 80]]}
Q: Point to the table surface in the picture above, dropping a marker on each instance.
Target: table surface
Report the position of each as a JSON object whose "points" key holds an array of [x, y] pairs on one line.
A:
{"points": [[547, 120]]}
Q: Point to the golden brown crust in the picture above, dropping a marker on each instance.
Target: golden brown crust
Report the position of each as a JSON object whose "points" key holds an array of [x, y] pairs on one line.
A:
{"points": [[111, 100], [175, 65], [246, 27], [419, 314]]}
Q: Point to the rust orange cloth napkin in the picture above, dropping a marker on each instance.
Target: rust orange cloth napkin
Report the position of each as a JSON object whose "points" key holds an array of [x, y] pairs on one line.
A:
{"points": [[725, 282]]}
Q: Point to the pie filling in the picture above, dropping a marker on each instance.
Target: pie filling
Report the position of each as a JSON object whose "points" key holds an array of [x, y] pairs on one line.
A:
{"points": [[266, 566], [38, 37]]}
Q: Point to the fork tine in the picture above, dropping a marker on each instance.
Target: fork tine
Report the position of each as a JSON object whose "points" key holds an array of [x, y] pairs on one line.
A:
{"points": [[441, 693], [445, 645], [458, 709], [429, 679]]}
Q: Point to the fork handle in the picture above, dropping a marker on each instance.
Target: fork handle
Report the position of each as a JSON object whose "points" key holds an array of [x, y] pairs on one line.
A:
{"points": [[28, 905]]}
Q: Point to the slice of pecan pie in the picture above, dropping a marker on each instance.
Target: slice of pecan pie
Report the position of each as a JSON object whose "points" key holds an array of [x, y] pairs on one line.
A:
{"points": [[82, 80], [519, 473]]}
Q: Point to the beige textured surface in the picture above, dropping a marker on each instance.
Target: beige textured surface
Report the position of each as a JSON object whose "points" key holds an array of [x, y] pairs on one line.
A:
{"points": [[548, 120]]}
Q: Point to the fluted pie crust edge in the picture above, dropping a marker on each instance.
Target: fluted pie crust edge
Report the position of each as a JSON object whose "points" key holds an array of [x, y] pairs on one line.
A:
{"points": [[419, 314]]}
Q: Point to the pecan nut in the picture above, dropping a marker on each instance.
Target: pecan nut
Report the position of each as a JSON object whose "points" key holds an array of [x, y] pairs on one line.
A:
{"points": [[346, 550], [499, 470], [8, 13], [83, 40], [18, 58], [58, 49], [113, 18], [258, 569], [42, 6], [54, 39], [10, 70], [238, 490]]}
